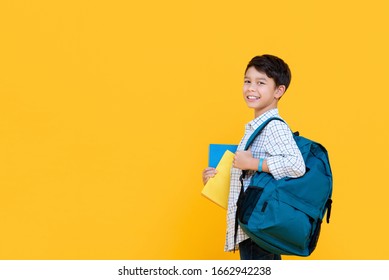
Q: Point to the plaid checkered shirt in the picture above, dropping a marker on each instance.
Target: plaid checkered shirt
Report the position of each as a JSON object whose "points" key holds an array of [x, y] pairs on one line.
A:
{"points": [[284, 159]]}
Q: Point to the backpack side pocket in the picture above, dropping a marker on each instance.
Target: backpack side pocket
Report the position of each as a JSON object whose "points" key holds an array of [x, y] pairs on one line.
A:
{"points": [[248, 202]]}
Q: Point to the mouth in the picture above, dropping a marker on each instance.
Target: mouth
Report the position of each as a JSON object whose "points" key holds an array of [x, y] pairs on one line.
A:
{"points": [[252, 97]]}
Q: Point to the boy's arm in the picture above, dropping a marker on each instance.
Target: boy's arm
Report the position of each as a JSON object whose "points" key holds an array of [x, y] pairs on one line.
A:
{"points": [[284, 157]]}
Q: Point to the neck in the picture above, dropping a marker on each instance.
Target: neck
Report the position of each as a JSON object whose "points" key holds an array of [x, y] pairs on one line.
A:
{"points": [[260, 112]]}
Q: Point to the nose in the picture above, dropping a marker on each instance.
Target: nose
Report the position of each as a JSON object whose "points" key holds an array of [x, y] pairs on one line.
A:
{"points": [[252, 87]]}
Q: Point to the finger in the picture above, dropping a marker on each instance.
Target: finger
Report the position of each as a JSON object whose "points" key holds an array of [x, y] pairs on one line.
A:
{"points": [[208, 176], [208, 169], [210, 173]]}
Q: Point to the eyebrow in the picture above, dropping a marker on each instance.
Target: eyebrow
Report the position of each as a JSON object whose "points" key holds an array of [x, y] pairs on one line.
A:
{"points": [[260, 79]]}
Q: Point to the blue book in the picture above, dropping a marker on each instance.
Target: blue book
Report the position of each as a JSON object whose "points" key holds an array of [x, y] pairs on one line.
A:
{"points": [[216, 151]]}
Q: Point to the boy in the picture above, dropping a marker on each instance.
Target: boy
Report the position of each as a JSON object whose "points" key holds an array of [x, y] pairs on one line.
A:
{"points": [[274, 151]]}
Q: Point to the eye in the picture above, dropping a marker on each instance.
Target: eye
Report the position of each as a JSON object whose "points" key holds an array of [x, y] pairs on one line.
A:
{"points": [[246, 81]]}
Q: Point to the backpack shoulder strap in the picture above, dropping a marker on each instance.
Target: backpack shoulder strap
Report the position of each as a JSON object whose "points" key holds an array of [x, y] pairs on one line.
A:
{"points": [[259, 130]]}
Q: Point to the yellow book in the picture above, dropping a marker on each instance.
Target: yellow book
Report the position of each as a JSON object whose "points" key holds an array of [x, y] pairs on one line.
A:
{"points": [[217, 188]]}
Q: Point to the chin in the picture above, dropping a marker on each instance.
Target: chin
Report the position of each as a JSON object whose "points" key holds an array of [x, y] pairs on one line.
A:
{"points": [[251, 105]]}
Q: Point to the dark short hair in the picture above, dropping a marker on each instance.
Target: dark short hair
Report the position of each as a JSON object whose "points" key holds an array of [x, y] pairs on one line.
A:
{"points": [[274, 67]]}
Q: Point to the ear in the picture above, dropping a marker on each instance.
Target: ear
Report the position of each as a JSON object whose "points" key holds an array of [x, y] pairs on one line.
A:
{"points": [[280, 90]]}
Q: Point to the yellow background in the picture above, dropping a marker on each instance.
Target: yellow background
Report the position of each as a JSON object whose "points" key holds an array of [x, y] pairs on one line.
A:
{"points": [[107, 109]]}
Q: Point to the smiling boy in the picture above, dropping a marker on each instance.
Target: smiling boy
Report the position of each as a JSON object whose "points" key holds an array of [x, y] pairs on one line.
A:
{"points": [[274, 151]]}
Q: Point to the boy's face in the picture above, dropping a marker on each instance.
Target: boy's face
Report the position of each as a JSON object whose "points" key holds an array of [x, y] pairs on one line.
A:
{"points": [[260, 92]]}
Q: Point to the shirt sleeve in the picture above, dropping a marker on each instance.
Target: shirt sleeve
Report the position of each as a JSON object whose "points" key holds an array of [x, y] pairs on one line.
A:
{"points": [[283, 156]]}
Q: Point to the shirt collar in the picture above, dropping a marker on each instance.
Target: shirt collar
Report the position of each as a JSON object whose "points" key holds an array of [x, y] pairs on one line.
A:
{"points": [[255, 123]]}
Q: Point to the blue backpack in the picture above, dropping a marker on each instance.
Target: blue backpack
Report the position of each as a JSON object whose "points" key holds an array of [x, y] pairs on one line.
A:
{"points": [[284, 216]]}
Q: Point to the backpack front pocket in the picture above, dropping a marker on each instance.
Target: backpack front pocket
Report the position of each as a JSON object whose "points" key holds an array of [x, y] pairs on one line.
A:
{"points": [[283, 222]]}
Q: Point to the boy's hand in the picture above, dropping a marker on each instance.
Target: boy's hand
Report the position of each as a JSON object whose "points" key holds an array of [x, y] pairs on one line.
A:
{"points": [[244, 160], [208, 173]]}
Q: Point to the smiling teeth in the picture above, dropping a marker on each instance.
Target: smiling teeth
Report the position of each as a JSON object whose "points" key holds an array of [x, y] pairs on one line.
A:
{"points": [[252, 97]]}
